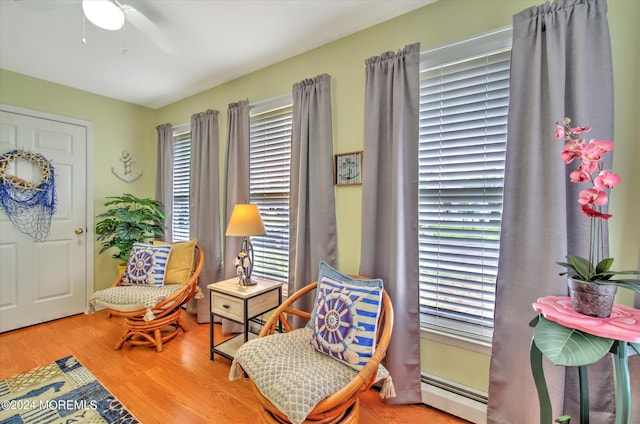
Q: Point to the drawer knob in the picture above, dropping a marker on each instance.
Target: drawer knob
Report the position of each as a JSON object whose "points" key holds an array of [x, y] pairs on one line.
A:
{"points": [[226, 306]]}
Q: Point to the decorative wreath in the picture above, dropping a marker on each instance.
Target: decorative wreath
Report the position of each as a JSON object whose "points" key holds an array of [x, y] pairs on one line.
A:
{"points": [[18, 183], [28, 204]]}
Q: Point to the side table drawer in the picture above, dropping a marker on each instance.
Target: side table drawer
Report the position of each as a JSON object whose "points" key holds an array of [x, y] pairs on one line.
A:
{"points": [[227, 306], [262, 303]]}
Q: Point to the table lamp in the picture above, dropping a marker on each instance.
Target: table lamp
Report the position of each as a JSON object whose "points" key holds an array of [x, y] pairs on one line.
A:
{"points": [[245, 221]]}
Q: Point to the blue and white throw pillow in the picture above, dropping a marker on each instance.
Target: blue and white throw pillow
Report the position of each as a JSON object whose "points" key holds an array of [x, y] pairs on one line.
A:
{"points": [[345, 316], [147, 265]]}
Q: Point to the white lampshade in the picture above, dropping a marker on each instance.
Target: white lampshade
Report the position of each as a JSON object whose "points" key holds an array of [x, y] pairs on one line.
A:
{"points": [[103, 13], [245, 221]]}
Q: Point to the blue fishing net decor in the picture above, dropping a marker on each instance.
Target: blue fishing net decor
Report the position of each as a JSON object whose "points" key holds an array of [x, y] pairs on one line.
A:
{"points": [[29, 205]]}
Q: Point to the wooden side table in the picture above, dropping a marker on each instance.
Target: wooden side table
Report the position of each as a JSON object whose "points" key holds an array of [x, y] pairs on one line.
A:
{"points": [[621, 329], [240, 305]]}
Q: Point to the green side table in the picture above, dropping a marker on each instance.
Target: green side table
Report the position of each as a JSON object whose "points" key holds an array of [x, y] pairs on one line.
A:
{"points": [[568, 338]]}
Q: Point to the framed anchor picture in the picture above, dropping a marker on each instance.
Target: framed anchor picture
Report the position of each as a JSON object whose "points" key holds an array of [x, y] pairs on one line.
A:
{"points": [[347, 168]]}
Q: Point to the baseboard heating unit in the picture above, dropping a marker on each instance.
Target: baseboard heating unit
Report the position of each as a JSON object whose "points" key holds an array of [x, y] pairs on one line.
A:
{"points": [[464, 402]]}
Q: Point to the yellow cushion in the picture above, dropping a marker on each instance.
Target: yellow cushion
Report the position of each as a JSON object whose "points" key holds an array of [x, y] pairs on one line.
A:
{"points": [[181, 261]]}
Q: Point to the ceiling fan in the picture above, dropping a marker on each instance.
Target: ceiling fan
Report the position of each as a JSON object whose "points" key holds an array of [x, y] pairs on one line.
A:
{"points": [[111, 15]]}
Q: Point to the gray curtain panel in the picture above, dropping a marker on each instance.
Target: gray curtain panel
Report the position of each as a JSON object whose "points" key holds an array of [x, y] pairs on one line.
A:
{"points": [[164, 174], [237, 175], [205, 203], [389, 247], [312, 222], [237, 190], [560, 66]]}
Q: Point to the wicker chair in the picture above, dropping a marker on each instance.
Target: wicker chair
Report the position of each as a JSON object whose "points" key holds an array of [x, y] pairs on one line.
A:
{"points": [[156, 325], [343, 405]]}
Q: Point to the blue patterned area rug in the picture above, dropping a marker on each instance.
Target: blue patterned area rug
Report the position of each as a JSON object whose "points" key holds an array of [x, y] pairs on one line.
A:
{"points": [[62, 392]]}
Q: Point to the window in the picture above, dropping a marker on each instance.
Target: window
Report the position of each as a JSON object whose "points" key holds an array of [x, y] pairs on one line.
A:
{"points": [[181, 172], [269, 177], [464, 91]]}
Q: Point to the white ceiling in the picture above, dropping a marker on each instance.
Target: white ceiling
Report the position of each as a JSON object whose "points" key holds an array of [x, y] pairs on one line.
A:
{"points": [[217, 41]]}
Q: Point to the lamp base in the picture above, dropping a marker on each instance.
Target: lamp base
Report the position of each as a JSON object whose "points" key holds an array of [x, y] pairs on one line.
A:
{"points": [[246, 282]]}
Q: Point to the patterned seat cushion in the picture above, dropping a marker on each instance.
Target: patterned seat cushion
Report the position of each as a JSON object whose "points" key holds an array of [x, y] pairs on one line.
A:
{"points": [[292, 374], [133, 298]]}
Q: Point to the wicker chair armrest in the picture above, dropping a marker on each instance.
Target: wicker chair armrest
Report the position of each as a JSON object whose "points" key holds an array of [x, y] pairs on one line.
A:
{"points": [[280, 314], [118, 281]]}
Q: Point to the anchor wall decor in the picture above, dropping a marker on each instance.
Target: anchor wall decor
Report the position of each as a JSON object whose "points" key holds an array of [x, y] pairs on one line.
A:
{"points": [[126, 160]]}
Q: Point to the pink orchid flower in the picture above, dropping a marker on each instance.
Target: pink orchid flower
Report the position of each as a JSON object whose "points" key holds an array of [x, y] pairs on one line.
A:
{"points": [[606, 179], [579, 176], [592, 152], [592, 196], [592, 213], [596, 148], [573, 149], [578, 130], [604, 145], [559, 132], [589, 166]]}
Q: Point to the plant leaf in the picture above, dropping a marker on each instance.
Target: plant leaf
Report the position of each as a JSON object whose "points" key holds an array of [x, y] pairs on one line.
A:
{"points": [[569, 347], [534, 321], [633, 285], [566, 265], [604, 265], [129, 219], [583, 267]]}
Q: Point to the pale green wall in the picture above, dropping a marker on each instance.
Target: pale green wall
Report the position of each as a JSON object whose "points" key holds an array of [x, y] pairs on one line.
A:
{"points": [[120, 125]]}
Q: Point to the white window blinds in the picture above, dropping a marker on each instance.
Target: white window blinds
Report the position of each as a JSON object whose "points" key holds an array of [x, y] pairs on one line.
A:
{"points": [[464, 91], [181, 174], [270, 166]]}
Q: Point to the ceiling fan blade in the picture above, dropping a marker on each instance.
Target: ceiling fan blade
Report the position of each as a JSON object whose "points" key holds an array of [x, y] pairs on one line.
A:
{"points": [[149, 29]]}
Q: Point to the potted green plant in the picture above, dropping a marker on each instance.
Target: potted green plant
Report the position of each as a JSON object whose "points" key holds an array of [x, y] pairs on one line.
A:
{"points": [[129, 219], [591, 277]]}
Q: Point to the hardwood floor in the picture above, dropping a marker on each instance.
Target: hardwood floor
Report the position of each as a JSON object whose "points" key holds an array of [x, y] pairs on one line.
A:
{"points": [[178, 385]]}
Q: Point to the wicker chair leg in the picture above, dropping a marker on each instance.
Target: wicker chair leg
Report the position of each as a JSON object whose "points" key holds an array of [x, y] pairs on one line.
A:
{"points": [[269, 418], [122, 341], [353, 416], [158, 339], [350, 416], [154, 333], [181, 324]]}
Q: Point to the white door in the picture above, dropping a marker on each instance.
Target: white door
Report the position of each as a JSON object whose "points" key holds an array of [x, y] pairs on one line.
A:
{"points": [[45, 280]]}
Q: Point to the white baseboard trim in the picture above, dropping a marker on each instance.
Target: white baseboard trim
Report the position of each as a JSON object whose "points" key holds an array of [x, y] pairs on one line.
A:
{"points": [[454, 404]]}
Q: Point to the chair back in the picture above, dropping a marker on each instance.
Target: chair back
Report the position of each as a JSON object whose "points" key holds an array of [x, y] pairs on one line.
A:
{"points": [[190, 287]]}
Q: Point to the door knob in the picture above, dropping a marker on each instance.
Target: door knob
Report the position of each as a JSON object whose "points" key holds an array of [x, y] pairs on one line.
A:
{"points": [[79, 230]]}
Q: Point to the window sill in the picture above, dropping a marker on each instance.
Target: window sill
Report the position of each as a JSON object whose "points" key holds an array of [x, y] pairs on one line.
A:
{"points": [[459, 341]]}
